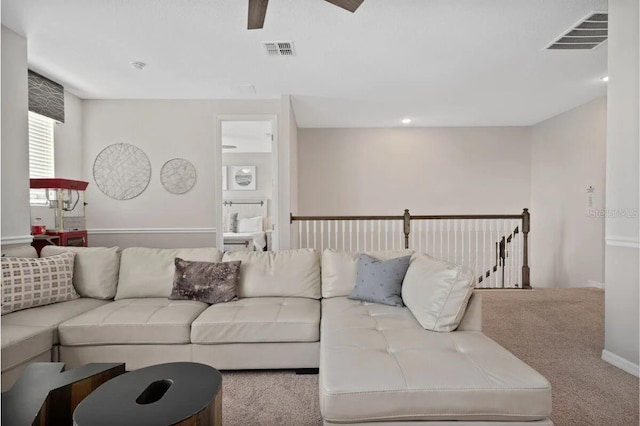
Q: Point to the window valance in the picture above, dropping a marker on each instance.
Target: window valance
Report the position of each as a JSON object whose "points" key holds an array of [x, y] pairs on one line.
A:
{"points": [[46, 97]]}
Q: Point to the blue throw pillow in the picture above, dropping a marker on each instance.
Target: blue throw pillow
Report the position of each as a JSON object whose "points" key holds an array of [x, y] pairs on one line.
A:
{"points": [[380, 281]]}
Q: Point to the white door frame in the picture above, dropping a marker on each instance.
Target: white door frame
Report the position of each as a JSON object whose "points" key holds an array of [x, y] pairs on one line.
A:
{"points": [[275, 199]]}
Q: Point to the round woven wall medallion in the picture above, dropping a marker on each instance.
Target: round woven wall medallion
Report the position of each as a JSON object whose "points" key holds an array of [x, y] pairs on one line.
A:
{"points": [[178, 176], [122, 171]]}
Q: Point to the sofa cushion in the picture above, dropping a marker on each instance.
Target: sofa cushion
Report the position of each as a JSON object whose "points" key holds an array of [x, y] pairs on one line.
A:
{"points": [[21, 343], [378, 364], [19, 251], [52, 315], [147, 272], [133, 321], [28, 282], [437, 292], [208, 282], [380, 281], [339, 269], [288, 273], [259, 320], [95, 269]]}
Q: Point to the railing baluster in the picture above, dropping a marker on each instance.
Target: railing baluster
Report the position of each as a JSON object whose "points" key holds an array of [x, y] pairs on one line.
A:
{"points": [[328, 234], [433, 237], [455, 241], [350, 235], [314, 235], [393, 235], [507, 269], [441, 235], [321, 235], [494, 240], [386, 234], [484, 253], [372, 235], [357, 235], [469, 241], [364, 236], [475, 228]]}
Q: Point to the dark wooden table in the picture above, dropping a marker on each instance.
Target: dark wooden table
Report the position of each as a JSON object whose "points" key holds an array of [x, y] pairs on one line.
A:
{"points": [[45, 395], [178, 393]]}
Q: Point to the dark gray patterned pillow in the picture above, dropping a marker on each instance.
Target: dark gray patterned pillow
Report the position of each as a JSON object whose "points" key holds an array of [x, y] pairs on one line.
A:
{"points": [[380, 281], [207, 282]]}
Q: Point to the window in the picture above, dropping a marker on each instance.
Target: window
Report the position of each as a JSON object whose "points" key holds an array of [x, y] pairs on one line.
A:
{"points": [[41, 160]]}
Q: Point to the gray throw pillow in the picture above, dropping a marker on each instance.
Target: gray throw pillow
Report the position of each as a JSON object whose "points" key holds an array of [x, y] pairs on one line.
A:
{"points": [[207, 282], [380, 281], [234, 222]]}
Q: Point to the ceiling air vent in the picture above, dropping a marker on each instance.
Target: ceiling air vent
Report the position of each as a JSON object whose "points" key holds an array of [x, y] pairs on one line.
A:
{"points": [[279, 48], [587, 34]]}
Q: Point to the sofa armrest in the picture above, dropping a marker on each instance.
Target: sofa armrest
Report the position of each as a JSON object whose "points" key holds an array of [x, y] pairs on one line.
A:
{"points": [[472, 319]]}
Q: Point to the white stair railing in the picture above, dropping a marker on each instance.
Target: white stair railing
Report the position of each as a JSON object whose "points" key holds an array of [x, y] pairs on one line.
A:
{"points": [[493, 246]]}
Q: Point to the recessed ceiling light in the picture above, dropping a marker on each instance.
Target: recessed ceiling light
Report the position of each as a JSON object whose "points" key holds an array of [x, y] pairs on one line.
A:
{"points": [[229, 146], [137, 65], [406, 120], [605, 78]]}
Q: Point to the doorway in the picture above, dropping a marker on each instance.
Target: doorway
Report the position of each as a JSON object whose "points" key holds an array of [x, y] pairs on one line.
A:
{"points": [[247, 185]]}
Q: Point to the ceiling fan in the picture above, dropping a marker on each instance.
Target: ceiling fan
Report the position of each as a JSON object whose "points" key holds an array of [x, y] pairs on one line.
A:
{"points": [[258, 10]]}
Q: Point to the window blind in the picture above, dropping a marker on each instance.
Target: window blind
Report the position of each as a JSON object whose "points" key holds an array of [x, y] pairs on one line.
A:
{"points": [[41, 160]]}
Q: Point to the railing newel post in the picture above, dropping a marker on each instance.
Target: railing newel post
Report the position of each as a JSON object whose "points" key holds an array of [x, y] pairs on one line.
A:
{"points": [[526, 226], [407, 227]]}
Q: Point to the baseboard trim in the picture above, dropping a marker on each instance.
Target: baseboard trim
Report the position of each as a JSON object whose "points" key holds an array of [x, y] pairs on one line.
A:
{"points": [[621, 363], [113, 231], [20, 239], [595, 284], [623, 242]]}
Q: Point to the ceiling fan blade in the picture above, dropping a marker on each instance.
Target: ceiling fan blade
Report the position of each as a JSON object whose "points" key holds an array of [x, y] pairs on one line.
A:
{"points": [[257, 12], [350, 5]]}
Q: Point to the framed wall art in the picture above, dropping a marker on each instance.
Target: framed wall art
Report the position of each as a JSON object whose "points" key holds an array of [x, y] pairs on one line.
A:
{"points": [[243, 178]]}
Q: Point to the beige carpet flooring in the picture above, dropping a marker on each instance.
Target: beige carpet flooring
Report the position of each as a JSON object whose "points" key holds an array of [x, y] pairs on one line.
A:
{"points": [[559, 332]]}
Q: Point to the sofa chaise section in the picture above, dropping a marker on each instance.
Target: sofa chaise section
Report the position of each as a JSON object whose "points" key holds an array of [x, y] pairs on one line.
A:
{"points": [[25, 332], [21, 345], [53, 315], [377, 364]]}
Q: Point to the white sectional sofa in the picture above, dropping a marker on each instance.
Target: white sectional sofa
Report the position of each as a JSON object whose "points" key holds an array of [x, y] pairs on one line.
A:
{"points": [[377, 364]]}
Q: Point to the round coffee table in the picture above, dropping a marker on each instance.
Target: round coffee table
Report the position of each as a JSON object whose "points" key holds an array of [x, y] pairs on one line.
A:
{"points": [[163, 394]]}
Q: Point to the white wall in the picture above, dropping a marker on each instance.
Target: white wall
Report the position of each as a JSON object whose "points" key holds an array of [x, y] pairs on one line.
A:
{"points": [[293, 161], [567, 238], [16, 224], [286, 170], [621, 255], [163, 129], [427, 170], [68, 140]]}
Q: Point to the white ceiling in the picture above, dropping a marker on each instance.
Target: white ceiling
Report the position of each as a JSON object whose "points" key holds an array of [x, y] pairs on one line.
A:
{"points": [[439, 62]]}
